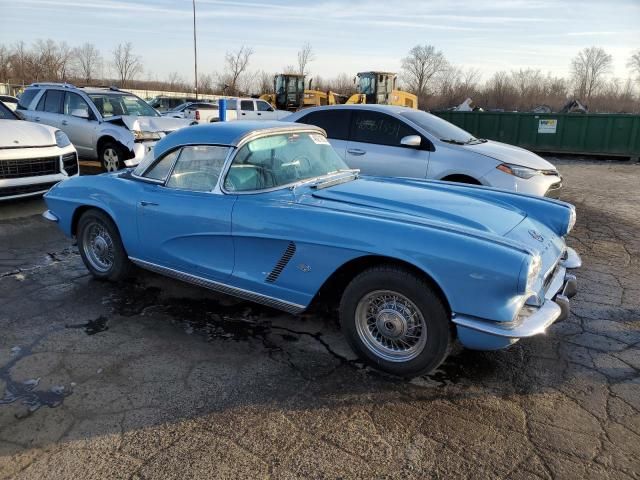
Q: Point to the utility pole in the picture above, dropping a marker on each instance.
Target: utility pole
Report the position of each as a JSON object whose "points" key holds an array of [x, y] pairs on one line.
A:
{"points": [[195, 49]]}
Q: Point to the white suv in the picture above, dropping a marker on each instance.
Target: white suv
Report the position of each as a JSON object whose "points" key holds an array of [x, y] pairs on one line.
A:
{"points": [[32, 157], [106, 124]]}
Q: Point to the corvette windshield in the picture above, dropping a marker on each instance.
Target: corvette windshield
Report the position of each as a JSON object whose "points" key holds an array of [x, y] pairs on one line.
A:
{"points": [[279, 160]]}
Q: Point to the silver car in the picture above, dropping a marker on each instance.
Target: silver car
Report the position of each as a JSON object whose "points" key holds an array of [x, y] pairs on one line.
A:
{"points": [[106, 124], [403, 142]]}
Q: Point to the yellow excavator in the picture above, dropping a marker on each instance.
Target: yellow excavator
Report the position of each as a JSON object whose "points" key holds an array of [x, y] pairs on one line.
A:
{"points": [[380, 88], [290, 93]]}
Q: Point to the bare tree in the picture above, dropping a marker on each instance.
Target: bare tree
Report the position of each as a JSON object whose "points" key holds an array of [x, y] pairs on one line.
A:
{"points": [[529, 85], [265, 82], [236, 63], [289, 69], [21, 61], [342, 84], [205, 83], [5, 65], [589, 69], [127, 64], [88, 62], [65, 61], [634, 63], [420, 67], [499, 92], [305, 55], [176, 82]]}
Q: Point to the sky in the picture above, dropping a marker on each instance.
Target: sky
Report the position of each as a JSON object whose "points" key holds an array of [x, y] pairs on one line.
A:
{"points": [[347, 36]]}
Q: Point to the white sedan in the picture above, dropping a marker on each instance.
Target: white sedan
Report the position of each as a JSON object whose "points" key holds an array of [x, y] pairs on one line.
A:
{"points": [[33, 157], [391, 141]]}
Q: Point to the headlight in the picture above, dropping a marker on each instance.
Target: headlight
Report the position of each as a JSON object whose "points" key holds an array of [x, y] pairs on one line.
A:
{"points": [[61, 139], [140, 136], [572, 219], [517, 170], [532, 273]]}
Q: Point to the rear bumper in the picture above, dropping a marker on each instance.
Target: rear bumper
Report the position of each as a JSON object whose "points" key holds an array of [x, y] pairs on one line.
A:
{"points": [[484, 334]]}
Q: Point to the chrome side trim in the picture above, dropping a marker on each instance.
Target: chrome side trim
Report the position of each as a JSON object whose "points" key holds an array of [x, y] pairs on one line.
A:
{"points": [[221, 287], [573, 260], [49, 215], [534, 324]]}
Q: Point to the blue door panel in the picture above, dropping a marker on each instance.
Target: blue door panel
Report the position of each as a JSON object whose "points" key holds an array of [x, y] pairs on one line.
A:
{"points": [[187, 231]]}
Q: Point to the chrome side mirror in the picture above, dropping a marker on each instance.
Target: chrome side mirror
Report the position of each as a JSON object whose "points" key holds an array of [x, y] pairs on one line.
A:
{"points": [[411, 141]]}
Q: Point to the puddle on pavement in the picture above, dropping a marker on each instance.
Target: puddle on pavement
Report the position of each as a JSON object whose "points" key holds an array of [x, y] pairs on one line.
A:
{"points": [[92, 326], [27, 392], [215, 320]]}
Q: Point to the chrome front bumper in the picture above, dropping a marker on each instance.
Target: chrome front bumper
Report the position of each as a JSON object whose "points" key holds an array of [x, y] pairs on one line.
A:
{"points": [[534, 320]]}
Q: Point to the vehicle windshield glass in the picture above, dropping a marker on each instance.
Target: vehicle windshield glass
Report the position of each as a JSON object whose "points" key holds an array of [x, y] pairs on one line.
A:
{"points": [[279, 160], [180, 107], [115, 104], [367, 84], [6, 114], [438, 127]]}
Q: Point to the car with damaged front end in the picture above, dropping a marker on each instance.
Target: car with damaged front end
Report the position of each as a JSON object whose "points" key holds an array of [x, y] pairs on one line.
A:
{"points": [[268, 212], [110, 125]]}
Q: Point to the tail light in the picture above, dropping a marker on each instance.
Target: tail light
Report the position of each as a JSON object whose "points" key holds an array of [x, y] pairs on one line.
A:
{"points": [[197, 114]]}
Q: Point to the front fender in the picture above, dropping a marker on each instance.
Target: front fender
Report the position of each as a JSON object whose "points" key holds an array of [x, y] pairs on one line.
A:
{"points": [[478, 277], [120, 134]]}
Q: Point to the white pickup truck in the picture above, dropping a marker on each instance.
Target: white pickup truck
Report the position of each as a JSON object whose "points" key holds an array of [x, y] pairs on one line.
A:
{"points": [[239, 109]]}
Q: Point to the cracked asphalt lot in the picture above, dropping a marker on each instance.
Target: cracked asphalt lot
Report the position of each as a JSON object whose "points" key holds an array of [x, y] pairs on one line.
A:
{"points": [[158, 379]]}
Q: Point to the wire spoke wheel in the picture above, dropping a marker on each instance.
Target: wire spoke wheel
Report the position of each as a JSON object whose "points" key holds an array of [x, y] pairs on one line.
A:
{"points": [[98, 247], [391, 326]]}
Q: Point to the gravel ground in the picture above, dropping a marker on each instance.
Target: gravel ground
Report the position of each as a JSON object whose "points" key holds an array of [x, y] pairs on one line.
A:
{"points": [[157, 379]]}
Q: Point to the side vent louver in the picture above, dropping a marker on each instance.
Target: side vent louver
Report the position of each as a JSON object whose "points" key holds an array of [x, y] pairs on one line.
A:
{"points": [[286, 256]]}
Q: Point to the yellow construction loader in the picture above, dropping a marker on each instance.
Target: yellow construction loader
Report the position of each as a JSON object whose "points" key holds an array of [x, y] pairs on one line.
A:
{"points": [[380, 88], [290, 93]]}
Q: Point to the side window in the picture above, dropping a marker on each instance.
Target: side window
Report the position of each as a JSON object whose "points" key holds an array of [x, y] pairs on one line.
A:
{"points": [[232, 104], [264, 106], [334, 122], [246, 105], [26, 98], [75, 103], [198, 168], [379, 128], [51, 101], [160, 170]]}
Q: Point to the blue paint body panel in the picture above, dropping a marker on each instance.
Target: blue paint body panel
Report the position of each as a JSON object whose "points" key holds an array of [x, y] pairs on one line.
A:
{"points": [[473, 242]]}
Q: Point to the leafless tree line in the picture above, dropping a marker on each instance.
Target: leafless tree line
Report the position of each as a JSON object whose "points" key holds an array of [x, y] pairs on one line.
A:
{"points": [[425, 71], [439, 84]]}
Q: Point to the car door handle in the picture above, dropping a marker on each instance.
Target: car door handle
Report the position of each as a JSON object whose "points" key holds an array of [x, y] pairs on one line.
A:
{"points": [[148, 204], [37, 119], [356, 151], [259, 114], [64, 122], [243, 113]]}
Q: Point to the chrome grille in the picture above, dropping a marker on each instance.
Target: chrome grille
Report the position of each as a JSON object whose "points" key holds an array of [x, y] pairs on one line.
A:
{"points": [[29, 167], [286, 256]]}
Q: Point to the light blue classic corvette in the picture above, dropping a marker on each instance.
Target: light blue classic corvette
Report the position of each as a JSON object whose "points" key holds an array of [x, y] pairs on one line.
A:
{"points": [[268, 212]]}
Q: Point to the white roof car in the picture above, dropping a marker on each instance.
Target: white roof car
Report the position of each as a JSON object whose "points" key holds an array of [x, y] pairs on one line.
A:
{"points": [[32, 157], [391, 141]]}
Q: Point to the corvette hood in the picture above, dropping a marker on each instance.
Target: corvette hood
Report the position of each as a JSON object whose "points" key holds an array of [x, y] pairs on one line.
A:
{"points": [[510, 154], [18, 133], [150, 124], [434, 202]]}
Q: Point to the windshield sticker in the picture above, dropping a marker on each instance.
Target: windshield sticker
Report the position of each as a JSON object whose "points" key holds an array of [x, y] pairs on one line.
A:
{"points": [[318, 139]]}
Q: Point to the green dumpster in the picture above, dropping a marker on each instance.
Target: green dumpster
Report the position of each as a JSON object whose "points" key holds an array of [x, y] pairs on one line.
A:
{"points": [[587, 134]]}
